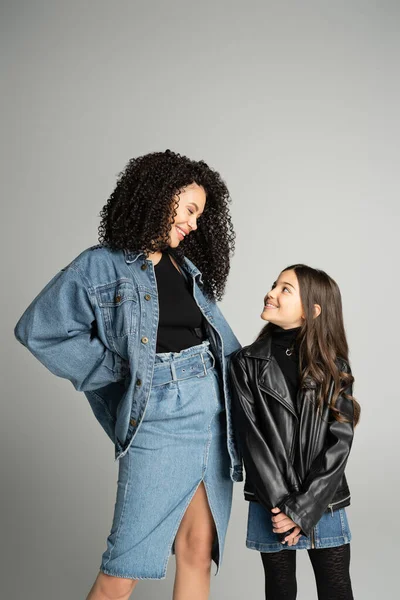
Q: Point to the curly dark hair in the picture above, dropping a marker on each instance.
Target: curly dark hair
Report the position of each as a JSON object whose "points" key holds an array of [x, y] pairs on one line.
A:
{"points": [[138, 215]]}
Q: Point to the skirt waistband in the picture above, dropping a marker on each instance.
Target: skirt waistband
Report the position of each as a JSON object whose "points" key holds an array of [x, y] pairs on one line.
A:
{"points": [[179, 367]]}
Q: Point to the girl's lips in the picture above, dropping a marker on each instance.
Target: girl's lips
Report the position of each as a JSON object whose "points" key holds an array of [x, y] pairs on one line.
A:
{"points": [[269, 306]]}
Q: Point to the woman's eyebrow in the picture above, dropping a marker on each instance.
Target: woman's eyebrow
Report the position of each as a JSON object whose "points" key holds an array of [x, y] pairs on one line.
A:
{"points": [[195, 205]]}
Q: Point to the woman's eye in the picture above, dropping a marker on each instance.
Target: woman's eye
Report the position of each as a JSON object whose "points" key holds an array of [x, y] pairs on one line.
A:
{"points": [[190, 211]]}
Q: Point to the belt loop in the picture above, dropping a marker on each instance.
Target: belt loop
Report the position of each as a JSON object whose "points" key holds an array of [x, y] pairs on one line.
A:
{"points": [[204, 364], [213, 358], [173, 371]]}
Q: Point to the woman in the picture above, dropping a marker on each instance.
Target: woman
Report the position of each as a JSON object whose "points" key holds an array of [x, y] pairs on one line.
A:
{"points": [[135, 325], [295, 414]]}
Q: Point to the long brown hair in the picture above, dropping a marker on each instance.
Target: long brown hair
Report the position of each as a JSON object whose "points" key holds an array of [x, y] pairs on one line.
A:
{"points": [[322, 341]]}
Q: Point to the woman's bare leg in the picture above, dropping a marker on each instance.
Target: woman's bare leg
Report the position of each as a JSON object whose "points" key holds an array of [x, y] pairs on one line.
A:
{"points": [[193, 547]]}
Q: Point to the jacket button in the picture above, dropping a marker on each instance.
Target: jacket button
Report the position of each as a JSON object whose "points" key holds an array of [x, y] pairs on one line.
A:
{"points": [[139, 382], [143, 267], [133, 422], [147, 297], [118, 299], [145, 340]]}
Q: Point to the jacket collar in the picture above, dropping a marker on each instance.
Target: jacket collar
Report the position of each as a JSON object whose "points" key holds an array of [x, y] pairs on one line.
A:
{"points": [[260, 348], [271, 378], [131, 257], [192, 270]]}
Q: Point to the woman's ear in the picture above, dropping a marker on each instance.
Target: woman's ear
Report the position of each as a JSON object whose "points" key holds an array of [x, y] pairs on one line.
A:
{"points": [[317, 310]]}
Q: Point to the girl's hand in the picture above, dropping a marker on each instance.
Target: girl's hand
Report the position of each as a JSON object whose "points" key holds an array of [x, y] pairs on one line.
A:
{"points": [[294, 537], [281, 523]]}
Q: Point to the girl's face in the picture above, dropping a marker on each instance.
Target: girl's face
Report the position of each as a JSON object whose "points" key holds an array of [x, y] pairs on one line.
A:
{"points": [[191, 203], [282, 305]]}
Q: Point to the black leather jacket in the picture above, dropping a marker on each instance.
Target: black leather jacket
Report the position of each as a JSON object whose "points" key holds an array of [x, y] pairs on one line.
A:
{"points": [[294, 456]]}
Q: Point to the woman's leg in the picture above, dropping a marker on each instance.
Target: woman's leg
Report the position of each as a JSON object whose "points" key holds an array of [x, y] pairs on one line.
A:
{"points": [[193, 548], [111, 588], [332, 572], [280, 574]]}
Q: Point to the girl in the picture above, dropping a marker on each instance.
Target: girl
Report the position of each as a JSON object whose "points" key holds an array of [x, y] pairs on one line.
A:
{"points": [[135, 325], [295, 414]]}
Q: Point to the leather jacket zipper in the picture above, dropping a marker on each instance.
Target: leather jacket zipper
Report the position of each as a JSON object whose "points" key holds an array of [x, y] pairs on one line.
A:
{"points": [[338, 502], [312, 539]]}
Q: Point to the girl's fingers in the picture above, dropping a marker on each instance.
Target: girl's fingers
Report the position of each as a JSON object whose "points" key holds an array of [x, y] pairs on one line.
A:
{"points": [[282, 528], [280, 519], [296, 539]]}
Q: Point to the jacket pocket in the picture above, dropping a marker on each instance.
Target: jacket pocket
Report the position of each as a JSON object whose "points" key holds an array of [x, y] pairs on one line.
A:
{"points": [[118, 303]]}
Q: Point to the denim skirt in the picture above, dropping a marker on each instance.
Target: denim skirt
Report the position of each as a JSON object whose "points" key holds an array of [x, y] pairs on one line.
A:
{"points": [[330, 531], [180, 443]]}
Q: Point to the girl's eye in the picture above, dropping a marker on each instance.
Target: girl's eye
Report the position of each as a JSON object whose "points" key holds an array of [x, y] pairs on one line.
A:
{"points": [[287, 289]]}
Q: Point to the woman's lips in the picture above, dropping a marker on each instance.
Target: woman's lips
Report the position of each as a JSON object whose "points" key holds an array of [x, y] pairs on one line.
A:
{"points": [[181, 233]]}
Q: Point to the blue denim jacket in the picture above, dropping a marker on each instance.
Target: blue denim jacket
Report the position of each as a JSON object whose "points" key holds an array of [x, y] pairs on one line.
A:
{"points": [[95, 323]]}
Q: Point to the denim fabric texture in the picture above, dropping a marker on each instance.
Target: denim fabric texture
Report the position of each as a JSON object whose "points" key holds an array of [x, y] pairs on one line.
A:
{"points": [[95, 323], [330, 531], [181, 442]]}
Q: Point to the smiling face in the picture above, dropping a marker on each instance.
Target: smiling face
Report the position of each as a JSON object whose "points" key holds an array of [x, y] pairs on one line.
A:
{"points": [[282, 304], [191, 203]]}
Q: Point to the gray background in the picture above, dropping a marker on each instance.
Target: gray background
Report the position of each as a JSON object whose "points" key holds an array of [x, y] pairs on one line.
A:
{"points": [[296, 104]]}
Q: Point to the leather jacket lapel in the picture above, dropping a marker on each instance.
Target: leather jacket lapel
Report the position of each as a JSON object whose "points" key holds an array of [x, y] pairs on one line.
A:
{"points": [[272, 382], [271, 379]]}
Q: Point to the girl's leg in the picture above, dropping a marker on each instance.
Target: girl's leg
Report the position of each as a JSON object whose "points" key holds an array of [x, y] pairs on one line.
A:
{"points": [[193, 549], [280, 575], [111, 588], [332, 572]]}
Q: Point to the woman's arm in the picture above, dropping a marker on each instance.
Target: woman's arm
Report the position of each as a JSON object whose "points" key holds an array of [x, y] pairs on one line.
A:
{"points": [[59, 328]]}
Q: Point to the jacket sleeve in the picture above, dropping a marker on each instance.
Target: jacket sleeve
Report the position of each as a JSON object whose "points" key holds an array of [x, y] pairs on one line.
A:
{"points": [[307, 507], [231, 343], [270, 484], [59, 328]]}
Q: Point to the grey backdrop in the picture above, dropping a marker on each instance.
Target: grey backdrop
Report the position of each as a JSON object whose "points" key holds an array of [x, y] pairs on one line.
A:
{"points": [[296, 104]]}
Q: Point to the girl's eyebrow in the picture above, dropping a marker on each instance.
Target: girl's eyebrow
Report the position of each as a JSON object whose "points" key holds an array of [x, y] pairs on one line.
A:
{"points": [[287, 283]]}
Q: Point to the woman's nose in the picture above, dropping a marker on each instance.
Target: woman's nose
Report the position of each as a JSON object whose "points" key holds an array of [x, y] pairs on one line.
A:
{"points": [[192, 223]]}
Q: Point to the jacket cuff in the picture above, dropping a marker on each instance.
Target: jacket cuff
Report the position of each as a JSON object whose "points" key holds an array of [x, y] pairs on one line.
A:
{"points": [[121, 367], [295, 512]]}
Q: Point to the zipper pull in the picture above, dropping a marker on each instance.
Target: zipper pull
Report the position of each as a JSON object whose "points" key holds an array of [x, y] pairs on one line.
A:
{"points": [[331, 507]]}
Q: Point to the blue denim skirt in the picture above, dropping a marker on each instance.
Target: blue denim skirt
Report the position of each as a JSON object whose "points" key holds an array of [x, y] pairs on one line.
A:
{"points": [[330, 531], [180, 443]]}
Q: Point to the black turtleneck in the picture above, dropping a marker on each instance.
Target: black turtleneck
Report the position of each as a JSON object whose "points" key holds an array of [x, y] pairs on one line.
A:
{"points": [[282, 340]]}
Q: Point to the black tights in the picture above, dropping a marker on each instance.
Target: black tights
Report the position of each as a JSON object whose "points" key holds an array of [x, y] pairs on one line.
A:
{"points": [[331, 570]]}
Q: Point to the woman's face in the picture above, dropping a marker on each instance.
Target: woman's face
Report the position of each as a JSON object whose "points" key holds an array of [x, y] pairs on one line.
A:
{"points": [[282, 304], [191, 203]]}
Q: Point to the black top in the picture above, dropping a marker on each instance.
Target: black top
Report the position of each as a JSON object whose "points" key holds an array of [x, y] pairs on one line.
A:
{"points": [[180, 321], [282, 340]]}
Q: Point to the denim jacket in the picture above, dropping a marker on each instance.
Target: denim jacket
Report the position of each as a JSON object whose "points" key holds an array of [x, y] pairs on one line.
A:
{"points": [[95, 323]]}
